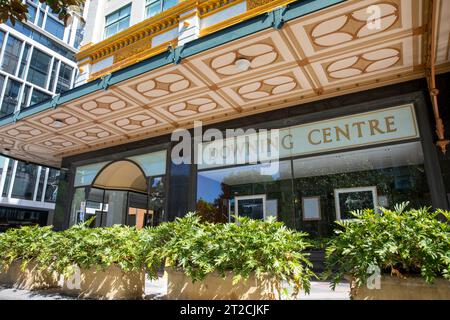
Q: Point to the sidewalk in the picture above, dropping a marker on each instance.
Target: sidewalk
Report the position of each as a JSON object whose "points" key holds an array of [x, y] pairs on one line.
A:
{"points": [[156, 290]]}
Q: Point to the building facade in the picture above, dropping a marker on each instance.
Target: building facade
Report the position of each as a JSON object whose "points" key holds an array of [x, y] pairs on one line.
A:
{"points": [[37, 62], [356, 90]]}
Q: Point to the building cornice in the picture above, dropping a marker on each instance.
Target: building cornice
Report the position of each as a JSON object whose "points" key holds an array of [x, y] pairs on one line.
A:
{"points": [[130, 45]]}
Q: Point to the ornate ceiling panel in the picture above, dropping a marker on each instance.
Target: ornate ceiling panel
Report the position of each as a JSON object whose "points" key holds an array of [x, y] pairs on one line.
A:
{"points": [[331, 52]]}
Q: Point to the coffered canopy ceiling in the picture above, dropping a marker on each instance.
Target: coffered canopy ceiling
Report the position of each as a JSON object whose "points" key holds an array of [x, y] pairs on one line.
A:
{"points": [[327, 53]]}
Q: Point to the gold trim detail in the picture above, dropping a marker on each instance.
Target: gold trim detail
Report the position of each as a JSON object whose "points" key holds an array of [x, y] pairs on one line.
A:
{"points": [[136, 40], [132, 59]]}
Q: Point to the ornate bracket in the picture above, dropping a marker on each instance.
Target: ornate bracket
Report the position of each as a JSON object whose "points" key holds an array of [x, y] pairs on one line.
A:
{"points": [[55, 100], [175, 54], [104, 84], [277, 16], [15, 116]]}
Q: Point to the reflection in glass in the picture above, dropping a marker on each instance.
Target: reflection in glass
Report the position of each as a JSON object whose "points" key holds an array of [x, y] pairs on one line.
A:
{"points": [[10, 98], [39, 68], [11, 55], [24, 181], [51, 189], [219, 189], [396, 171], [8, 177]]}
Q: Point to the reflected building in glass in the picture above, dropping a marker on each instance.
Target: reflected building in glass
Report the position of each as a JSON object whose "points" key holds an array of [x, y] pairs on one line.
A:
{"points": [[37, 62]]}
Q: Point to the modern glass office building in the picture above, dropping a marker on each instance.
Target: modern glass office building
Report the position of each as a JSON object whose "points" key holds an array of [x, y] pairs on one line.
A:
{"points": [[37, 62], [356, 90]]}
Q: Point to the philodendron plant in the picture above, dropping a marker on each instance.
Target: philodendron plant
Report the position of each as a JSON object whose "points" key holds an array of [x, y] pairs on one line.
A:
{"points": [[245, 247], [98, 248], [25, 244], [399, 242]]}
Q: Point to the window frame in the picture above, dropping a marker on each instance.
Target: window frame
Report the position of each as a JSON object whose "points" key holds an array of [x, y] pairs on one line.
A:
{"points": [[118, 20], [149, 3]]}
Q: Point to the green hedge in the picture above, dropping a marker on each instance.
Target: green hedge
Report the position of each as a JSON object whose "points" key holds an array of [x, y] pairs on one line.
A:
{"points": [[262, 247]]}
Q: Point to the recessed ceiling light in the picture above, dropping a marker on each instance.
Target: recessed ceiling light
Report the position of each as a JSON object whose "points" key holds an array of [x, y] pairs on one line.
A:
{"points": [[242, 64], [58, 123]]}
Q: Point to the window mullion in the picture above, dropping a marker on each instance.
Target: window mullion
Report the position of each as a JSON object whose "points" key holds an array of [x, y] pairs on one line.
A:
{"points": [[5, 42], [3, 176], [36, 186], [13, 178], [44, 187]]}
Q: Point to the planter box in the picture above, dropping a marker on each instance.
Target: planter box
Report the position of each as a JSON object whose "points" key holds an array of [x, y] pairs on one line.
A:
{"points": [[110, 283], [411, 288], [214, 287], [29, 279]]}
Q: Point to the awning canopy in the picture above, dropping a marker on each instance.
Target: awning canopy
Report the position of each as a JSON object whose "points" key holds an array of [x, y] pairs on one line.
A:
{"points": [[248, 68], [121, 175]]}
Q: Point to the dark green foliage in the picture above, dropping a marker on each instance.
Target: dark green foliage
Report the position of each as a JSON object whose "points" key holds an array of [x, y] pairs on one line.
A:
{"points": [[398, 241], [262, 247]]}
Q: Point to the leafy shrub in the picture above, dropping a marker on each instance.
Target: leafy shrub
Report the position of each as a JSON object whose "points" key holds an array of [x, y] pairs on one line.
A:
{"points": [[399, 241], [319, 243], [95, 247], [27, 244], [262, 247]]}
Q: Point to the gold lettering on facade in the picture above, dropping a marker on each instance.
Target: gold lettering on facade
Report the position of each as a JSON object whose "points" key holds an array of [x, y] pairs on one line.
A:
{"points": [[345, 133], [390, 124], [326, 135], [358, 129], [359, 126], [374, 126], [287, 144], [310, 137]]}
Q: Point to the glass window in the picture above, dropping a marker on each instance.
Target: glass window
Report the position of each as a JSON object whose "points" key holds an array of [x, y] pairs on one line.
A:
{"points": [[25, 59], [24, 181], [84, 175], [153, 164], [31, 12], [15, 217], [52, 185], [79, 35], [2, 38], [51, 84], [39, 68], [11, 55], [25, 96], [117, 21], [41, 185], [2, 82], [42, 39], [246, 191], [64, 78], [156, 201], [10, 98], [77, 211], [55, 27], [8, 178], [38, 96], [2, 163], [41, 18], [347, 181], [153, 7]]}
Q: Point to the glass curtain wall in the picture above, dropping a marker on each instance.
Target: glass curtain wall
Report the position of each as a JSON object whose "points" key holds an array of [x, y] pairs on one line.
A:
{"points": [[25, 181], [29, 75]]}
